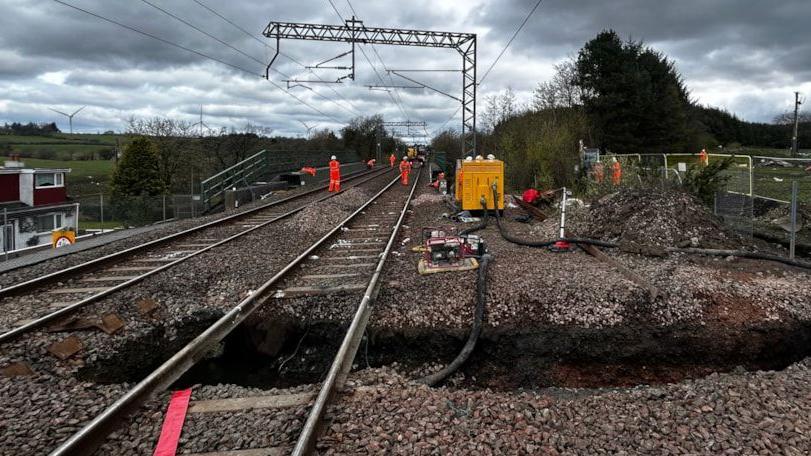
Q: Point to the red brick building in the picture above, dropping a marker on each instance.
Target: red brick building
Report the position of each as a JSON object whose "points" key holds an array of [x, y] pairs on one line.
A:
{"points": [[33, 203]]}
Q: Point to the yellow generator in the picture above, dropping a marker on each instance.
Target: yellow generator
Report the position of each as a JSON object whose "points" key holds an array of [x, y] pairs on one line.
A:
{"points": [[474, 180]]}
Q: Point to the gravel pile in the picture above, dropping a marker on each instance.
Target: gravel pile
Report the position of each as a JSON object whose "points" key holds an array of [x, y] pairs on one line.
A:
{"points": [[429, 197], [655, 217], [762, 412]]}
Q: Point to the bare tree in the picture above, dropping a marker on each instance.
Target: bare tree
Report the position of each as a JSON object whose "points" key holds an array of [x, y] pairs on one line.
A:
{"points": [[498, 108], [173, 141], [562, 91]]}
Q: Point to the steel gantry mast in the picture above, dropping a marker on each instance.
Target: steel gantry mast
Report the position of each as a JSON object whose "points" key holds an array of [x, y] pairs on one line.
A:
{"points": [[354, 31]]}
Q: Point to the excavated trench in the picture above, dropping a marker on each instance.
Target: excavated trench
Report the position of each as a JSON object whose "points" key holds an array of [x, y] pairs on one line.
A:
{"points": [[283, 354]]}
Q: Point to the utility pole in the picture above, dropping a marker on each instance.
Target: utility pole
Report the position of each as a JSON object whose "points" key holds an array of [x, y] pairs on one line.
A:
{"points": [[795, 152]]}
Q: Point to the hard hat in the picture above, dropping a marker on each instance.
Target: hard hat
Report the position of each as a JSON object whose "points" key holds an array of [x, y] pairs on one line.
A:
{"points": [[468, 158], [333, 158], [613, 159], [405, 157], [491, 157], [479, 157]]}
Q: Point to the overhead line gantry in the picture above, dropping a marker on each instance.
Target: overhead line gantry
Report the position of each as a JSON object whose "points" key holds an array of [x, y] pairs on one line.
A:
{"points": [[354, 31]]}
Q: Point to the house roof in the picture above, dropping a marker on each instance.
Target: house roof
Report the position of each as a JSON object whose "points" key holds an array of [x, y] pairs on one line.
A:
{"points": [[6, 170]]}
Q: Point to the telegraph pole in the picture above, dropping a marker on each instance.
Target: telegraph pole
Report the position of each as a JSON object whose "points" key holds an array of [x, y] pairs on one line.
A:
{"points": [[794, 146]]}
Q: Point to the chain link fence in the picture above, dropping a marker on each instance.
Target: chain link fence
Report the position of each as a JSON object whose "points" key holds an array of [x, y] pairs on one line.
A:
{"points": [[102, 212]]}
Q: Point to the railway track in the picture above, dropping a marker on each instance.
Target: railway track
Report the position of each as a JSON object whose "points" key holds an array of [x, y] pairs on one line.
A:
{"points": [[382, 214], [58, 295]]}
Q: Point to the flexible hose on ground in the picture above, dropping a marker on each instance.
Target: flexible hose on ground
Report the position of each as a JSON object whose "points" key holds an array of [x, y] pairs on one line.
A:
{"points": [[475, 330], [692, 251]]}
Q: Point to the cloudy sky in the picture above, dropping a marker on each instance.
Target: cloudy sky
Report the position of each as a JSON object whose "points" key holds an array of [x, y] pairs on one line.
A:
{"points": [[746, 56]]}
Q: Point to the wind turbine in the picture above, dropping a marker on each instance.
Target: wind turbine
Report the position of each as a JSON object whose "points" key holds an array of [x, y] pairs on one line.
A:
{"points": [[201, 123], [69, 116], [307, 127]]}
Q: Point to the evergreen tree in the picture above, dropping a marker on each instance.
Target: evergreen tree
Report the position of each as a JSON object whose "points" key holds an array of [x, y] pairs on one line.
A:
{"points": [[633, 95], [137, 173]]}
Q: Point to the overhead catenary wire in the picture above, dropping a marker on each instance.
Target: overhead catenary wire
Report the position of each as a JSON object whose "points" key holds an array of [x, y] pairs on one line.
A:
{"points": [[189, 24], [517, 31], [283, 54], [363, 52], [391, 80], [196, 52]]}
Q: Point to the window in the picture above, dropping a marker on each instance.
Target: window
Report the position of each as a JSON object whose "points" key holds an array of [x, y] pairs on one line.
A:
{"points": [[49, 180], [48, 223]]}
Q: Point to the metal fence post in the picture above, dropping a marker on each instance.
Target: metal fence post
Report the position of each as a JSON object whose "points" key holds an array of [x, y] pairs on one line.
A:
{"points": [[5, 233], [101, 210], [793, 232]]}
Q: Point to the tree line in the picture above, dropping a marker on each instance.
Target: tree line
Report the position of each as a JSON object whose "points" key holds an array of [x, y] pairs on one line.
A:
{"points": [[169, 156]]}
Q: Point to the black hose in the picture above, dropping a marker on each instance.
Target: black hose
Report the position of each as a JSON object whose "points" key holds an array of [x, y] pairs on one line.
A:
{"points": [[480, 226], [475, 330], [742, 254], [605, 244]]}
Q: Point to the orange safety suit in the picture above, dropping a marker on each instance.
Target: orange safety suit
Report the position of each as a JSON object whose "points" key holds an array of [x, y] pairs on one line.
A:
{"points": [[405, 168], [392, 160], [616, 175], [334, 176], [703, 158], [599, 172]]}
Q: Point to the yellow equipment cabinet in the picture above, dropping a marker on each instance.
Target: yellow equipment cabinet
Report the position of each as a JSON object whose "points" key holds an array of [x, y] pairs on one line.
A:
{"points": [[474, 180]]}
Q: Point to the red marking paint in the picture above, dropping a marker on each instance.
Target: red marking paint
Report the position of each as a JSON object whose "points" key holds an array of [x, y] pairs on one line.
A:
{"points": [[173, 423]]}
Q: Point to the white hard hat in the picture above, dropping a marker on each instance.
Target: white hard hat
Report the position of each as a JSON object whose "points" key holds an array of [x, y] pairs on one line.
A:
{"points": [[333, 157], [491, 157], [613, 159], [405, 157], [479, 157], [467, 159]]}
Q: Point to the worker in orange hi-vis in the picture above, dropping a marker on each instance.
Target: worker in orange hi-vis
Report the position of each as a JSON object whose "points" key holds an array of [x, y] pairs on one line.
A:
{"points": [[599, 172], [334, 175], [616, 172], [371, 163], [392, 160], [405, 168], [309, 170], [703, 158]]}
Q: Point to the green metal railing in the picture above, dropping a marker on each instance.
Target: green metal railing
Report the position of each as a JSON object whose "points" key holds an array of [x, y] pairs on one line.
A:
{"points": [[263, 165]]}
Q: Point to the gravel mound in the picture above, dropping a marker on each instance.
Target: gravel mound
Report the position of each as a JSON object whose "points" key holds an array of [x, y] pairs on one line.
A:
{"points": [[427, 198], [655, 217]]}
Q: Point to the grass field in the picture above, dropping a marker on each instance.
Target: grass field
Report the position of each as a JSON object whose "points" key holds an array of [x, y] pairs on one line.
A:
{"points": [[62, 146], [83, 176]]}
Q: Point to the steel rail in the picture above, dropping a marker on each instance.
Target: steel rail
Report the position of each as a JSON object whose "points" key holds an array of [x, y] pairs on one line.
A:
{"points": [[87, 439], [57, 314], [342, 363], [37, 281]]}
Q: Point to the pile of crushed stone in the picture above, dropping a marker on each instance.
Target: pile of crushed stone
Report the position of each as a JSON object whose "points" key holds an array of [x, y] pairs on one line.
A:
{"points": [[325, 215], [654, 217], [427, 198]]}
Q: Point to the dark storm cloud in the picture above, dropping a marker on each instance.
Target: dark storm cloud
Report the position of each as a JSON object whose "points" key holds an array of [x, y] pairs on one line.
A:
{"points": [[740, 55]]}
